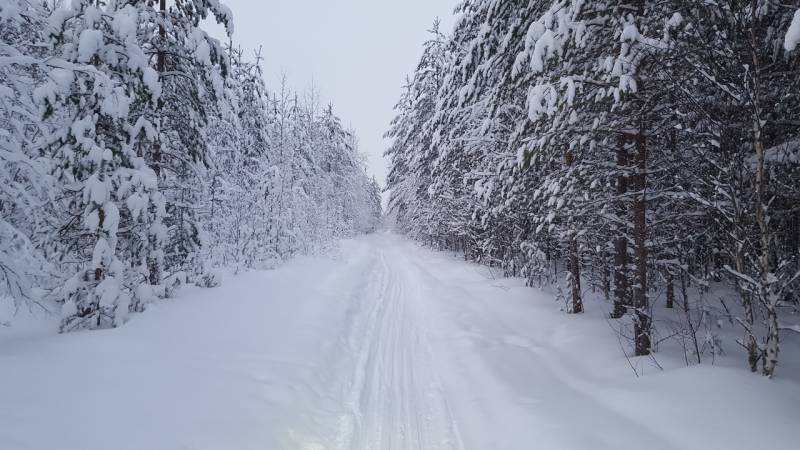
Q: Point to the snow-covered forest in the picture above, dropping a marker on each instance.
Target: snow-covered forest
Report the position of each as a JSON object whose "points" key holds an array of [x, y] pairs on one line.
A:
{"points": [[649, 151], [138, 154], [578, 227]]}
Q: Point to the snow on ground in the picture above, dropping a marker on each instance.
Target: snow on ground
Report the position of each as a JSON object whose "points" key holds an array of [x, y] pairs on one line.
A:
{"points": [[388, 346]]}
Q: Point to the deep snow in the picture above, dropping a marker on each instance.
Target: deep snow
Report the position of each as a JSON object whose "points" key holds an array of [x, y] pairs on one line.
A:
{"points": [[386, 346]]}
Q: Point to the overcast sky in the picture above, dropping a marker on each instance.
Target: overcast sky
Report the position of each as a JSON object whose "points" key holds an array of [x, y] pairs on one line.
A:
{"points": [[357, 52]]}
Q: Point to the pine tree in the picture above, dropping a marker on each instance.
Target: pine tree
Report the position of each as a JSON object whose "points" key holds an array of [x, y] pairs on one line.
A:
{"points": [[24, 179], [191, 67], [96, 158], [618, 140]]}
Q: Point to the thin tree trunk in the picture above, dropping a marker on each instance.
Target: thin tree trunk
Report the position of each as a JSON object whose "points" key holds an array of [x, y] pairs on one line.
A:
{"points": [[687, 311], [670, 291], [673, 144], [606, 278], [154, 262], [750, 344], [573, 262], [642, 318], [575, 277], [160, 67], [772, 344]]}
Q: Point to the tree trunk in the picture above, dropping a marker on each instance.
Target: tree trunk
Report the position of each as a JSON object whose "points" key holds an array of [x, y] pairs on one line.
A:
{"points": [[670, 291], [160, 67], [772, 344], [750, 344], [687, 311], [621, 242], [642, 318], [573, 263], [606, 278], [155, 263], [575, 277]]}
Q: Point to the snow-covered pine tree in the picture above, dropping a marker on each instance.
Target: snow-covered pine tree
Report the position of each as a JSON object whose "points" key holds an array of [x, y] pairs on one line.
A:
{"points": [[107, 165], [191, 67], [109, 195], [236, 215], [598, 98], [588, 144], [412, 154], [24, 174]]}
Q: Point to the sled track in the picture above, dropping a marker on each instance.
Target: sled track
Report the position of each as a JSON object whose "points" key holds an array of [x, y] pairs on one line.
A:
{"points": [[395, 399]]}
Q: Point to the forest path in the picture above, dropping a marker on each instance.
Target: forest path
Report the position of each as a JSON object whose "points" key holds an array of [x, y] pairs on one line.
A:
{"points": [[384, 346], [394, 399], [434, 360]]}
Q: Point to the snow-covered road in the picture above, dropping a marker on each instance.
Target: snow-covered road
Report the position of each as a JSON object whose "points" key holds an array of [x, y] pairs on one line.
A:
{"points": [[394, 398], [386, 347]]}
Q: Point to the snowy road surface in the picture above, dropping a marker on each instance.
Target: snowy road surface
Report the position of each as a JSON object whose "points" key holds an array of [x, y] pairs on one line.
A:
{"points": [[386, 347]]}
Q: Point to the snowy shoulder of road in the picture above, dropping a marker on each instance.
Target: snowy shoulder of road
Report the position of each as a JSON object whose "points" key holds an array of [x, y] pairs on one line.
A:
{"points": [[385, 346]]}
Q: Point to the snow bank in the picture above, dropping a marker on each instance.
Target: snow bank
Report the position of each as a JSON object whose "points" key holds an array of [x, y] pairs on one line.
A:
{"points": [[228, 368], [523, 374]]}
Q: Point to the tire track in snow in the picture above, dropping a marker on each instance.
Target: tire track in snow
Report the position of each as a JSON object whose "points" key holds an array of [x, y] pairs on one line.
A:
{"points": [[394, 399]]}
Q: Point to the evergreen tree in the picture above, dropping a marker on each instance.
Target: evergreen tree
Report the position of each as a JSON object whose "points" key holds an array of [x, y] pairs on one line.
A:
{"points": [[618, 140]]}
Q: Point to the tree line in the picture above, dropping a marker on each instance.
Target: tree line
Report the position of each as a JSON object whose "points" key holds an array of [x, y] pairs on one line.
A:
{"points": [[138, 153], [647, 151]]}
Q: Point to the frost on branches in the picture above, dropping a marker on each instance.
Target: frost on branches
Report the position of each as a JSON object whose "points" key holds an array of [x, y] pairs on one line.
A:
{"points": [[641, 150], [137, 154]]}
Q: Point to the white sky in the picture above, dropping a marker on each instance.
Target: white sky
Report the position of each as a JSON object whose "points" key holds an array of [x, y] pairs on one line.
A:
{"points": [[356, 52]]}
